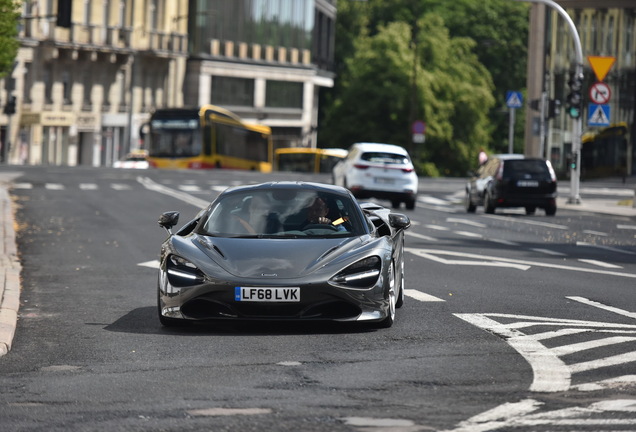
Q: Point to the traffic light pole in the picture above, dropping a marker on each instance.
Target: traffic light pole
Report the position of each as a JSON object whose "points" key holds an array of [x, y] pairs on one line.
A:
{"points": [[577, 124]]}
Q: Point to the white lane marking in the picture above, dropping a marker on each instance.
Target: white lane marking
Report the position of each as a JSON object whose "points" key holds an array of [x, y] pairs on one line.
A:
{"points": [[88, 186], [22, 186], [468, 234], [598, 233], [611, 383], [436, 227], [151, 264], [214, 412], [548, 252], [190, 188], [603, 306], [504, 242], [218, 188], [551, 374], [524, 414], [432, 255], [420, 236], [466, 222], [384, 423], [604, 362], [600, 263], [427, 199], [120, 186], [289, 363], [627, 227], [583, 346], [501, 415], [424, 253], [438, 208], [529, 222], [609, 248], [423, 297], [151, 185], [54, 186]]}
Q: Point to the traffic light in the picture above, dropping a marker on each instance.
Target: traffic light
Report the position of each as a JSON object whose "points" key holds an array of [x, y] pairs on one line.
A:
{"points": [[575, 98], [64, 12], [9, 108], [554, 108]]}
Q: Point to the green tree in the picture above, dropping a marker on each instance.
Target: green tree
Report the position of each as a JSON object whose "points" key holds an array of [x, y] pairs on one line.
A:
{"points": [[488, 36], [379, 97], [9, 14]]}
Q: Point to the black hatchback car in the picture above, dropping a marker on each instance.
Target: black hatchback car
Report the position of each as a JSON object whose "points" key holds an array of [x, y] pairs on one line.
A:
{"points": [[512, 180]]}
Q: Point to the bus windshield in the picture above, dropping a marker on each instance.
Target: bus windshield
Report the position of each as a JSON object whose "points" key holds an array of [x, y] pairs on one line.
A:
{"points": [[174, 138]]}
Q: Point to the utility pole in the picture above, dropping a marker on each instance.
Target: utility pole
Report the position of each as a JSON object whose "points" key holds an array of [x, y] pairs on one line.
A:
{"points": [[577, 123]]}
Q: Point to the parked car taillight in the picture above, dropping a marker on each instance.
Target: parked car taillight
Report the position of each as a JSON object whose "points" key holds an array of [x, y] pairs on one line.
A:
{"points": [[361, 166], [407, 170]]}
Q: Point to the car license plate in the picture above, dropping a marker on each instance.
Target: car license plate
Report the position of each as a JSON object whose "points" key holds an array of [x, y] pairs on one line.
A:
{"points": [[267, 294], [527, 183], [383, 180]]}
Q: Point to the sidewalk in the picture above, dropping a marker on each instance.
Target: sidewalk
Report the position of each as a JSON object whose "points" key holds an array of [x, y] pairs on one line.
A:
{"points": [[10, 266], [9, 269]]}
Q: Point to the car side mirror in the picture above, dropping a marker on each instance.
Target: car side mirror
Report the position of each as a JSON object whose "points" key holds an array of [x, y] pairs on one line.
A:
{"points": [[399, 221], [168, 219]]}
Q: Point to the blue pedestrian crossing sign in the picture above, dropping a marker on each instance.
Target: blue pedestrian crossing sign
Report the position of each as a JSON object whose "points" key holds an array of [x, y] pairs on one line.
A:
{"points": [[514, 99], [598, 115]]}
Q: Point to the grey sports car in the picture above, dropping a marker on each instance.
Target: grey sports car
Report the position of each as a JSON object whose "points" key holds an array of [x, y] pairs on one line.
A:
{"points": [[283, 251]]}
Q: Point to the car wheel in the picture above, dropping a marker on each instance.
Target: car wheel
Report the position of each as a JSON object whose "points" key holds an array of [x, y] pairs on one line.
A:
{"points": [[395, 204], [489, 205], [470, 207], [550, 210], [410, 204], [390, 319], [400, 298], [530, 210]]}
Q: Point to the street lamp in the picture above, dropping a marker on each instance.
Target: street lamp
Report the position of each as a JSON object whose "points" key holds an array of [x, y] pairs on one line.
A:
{"points": [[577, 126]]}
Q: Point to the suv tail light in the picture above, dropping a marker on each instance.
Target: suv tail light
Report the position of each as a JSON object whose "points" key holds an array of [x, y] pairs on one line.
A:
{"points": [[407, 170], [361, 166]]}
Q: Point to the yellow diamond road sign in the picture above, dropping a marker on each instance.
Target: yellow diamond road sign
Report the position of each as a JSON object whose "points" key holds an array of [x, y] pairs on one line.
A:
{"points": [[601, 65]]}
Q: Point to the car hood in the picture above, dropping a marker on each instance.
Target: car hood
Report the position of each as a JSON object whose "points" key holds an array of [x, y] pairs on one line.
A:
{"points": [[276, 258]]}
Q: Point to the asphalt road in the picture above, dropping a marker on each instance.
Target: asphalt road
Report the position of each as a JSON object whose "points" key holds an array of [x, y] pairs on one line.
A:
{"points": [[511, 321]]}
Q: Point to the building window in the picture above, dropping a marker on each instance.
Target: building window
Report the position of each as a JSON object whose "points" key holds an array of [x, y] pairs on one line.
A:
{"points": [[283, 94], [66, 87], [232, 91]]}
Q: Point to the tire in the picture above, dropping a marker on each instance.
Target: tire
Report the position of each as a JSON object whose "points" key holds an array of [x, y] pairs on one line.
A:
{"points": [[530, 210], [550, 210], [489, 206], [390, 319], [395, 204], [410, 204], [470, 207]]}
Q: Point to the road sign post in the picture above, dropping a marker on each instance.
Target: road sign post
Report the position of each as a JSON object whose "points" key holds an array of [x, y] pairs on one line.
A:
{"points": [[514, 100]]}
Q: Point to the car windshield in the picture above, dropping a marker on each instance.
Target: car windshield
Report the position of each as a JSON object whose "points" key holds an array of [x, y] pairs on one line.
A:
{"points": [[282, 213], [384, 157]]}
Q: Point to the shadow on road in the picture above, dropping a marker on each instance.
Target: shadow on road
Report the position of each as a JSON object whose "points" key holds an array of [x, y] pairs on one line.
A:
{"points": [[145, 321]]}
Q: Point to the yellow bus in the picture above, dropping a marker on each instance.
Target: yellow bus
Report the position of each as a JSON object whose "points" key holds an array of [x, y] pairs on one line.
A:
{"points": [[309, 160], [204, 138]]}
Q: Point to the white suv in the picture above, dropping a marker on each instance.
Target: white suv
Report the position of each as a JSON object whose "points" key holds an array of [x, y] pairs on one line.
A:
{"points": [[376, 170]]}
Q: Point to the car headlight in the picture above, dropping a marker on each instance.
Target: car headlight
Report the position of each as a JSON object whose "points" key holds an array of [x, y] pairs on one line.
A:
{"points": [[362, 274], [182, 272]]}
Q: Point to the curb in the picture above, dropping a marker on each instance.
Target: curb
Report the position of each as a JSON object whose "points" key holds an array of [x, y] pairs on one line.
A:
{"points": [[9, 274]]}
